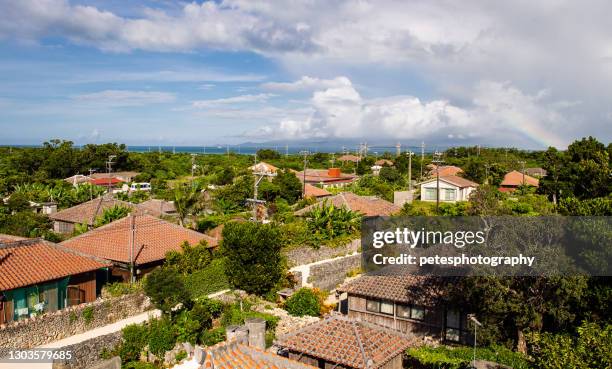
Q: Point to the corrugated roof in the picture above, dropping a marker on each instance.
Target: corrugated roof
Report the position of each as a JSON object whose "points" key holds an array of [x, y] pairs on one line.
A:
{"points": [[153, 239], [30, 261], [346, 342]]}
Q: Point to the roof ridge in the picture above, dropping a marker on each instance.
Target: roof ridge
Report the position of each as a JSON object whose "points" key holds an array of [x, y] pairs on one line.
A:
{"points": [[358, 336], [76, 252], [20, 243]]}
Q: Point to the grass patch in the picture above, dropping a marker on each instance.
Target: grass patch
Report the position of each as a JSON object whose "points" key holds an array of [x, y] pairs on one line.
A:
{"points": [[208, 280]]}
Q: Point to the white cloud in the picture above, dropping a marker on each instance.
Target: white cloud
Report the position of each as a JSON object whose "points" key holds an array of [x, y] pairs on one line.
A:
{"points": [[498, 110], [307, 84], [241, 99], [125, 98]]}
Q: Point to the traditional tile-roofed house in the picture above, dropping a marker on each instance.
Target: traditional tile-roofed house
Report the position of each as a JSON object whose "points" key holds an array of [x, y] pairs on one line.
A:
{"points": [[349, 157], [85, 213], [235, 355], [125, 176], [332, 177], [157, 207], [153, 238], [383, 162], [316, 192], [365, 205], [263, 167], [515, 179], [77, 179], [338, 342], [38, 276], [106, 182], [445, 170], [452, 189], [536, 172], [406, 303]]}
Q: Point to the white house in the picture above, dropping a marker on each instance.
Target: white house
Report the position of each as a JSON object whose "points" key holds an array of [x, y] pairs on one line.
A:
{"points": [[452, 189]]}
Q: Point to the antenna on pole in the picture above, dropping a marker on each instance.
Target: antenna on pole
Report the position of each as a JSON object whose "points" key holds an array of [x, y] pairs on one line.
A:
{"points": [[437, 159], [109, 169], [410, 153], [305, 154], [422, 159]]}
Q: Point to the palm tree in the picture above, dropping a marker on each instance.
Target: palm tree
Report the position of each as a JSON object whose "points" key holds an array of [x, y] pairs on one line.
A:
{"points": [[185, 201]]}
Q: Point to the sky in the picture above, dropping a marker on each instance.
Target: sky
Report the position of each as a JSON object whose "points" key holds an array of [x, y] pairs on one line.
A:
{"points": [[521, 73]]}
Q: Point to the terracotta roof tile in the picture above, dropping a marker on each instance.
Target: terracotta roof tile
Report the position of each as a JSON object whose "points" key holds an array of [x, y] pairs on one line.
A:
{"points": [[263, 167], [154, 238], [365, 205], [349, 157], [87, 212], [30, 261], [105, 181], [323, 176], [314, 191], [382, 162], [237, 356], [347, 342], [446, 170], [515, 179], [157, 207], [407, 288]]}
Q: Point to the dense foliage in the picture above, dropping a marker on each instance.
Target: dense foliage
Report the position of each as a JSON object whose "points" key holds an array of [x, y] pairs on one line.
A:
{"points": [[303, 302], [327, 221], [461, 357], [253, 253], [166, 288]]}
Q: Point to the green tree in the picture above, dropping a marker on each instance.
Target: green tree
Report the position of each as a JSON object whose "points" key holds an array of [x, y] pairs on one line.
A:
{"points": [[303, 302], [327, 221], [166, 289], [253, 252], [289, 186], [191, 258], [390, 174], [267, 154], [185, 200], [111, 214]]}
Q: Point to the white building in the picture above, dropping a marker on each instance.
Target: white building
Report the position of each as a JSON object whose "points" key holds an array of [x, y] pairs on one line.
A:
{"points": [[452, 189]]}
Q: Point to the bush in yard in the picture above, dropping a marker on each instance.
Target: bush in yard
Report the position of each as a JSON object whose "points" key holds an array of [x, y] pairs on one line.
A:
{"points": [[461, 357], [191, 258], [212, 336], [161, 336], [303, 302], [166, 289], [253, 256], [134, 339], [208, 280]]}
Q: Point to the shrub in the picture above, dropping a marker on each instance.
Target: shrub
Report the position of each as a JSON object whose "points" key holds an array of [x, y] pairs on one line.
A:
{"points": [[88, 314], [134, 339], [191, 258], [328, 221], [461, 357], [233, 315], [161, 336], [303, 302], [121, 288], [208, 280], [166, 288], [253, 252], [139, 365], [212, 336], [180, 356]]}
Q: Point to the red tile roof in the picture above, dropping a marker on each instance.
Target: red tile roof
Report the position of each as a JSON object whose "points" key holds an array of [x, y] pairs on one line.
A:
{"points": [[87, 212], [446, 170], [30, 261], [153, 239], [105, 181], [365, 205], [406, 288], [346, 342], [323, 176], [263, 167], [157, 207], [238, 356], [314, 191], [382, 162], [515, 179]]}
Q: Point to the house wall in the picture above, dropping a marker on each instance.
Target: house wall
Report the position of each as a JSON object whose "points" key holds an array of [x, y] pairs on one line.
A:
{"points": [[63, 227], [6, 312], [86, 282], [461, 194]]}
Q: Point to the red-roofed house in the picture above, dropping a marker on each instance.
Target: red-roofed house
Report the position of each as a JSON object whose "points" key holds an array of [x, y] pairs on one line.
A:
{"points": [[452, 189], [339, 342], [515, 179], [37, 276], [332, 177], [316, 192], [349, 157], [445, 170], [65, 220], [152, 239], [405, 303], [364, 205]]}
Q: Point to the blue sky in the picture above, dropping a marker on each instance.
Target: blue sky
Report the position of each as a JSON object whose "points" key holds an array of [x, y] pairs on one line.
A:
{"points": [[174, 73]]}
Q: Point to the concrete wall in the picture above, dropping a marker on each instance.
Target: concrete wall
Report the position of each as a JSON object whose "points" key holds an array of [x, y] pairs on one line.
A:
{"points": [[54, 326], [87, 353], [308, 255]]}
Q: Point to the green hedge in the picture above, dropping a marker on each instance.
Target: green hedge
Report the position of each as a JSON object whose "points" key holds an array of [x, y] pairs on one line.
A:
{"points": [[460, 357], [208, 280]]}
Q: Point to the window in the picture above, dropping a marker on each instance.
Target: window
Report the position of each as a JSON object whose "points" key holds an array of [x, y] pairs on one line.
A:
{"points": [[403, 311], [386, 307], [373, 306], [430, 194], [417, 312], [450, 194], [453, 325]]}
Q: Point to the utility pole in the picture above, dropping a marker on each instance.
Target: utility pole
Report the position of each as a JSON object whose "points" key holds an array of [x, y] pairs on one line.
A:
{"points": [[410, 153], [305, 154], [91, 170], [522, 162], [398, 149], [422, 159], [487, 173], [109, 168], [193, 166], [437, 159], [258, 177], [132, 242]]}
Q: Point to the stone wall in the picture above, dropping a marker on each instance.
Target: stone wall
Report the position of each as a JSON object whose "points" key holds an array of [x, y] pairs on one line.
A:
{"points": [[73, 320], [327, 276], [87, 353], [308, 255]]}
